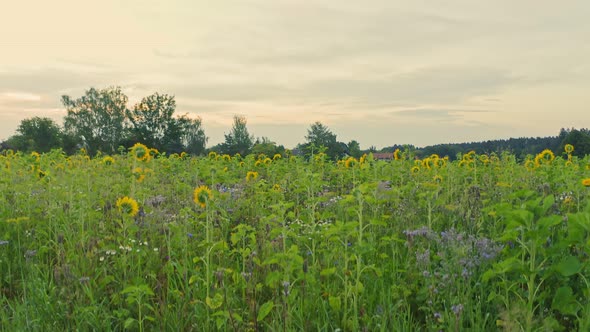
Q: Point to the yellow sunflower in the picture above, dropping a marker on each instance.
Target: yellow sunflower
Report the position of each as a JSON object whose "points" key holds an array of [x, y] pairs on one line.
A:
{"points": [[140, 152], [568, 148], [108, 160], [437, 179], [545, 157], [586, 182], [226, 157], [212, 155], [276, 187], [251, 176], [277, 157], [139, 174], [396, 155], [128, 206], [350, 162], [202, 195]]}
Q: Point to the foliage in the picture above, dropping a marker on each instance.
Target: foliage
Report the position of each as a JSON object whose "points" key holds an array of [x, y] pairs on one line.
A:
{"points": [[96, 120], [36, 134], [238, 140]]}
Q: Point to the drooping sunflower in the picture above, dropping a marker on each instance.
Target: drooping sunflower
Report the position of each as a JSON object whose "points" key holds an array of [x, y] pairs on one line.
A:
{"points": [[396, 155], [202, 195], [140, 152], [251, 176], [277, 156], [586, 182], [127, 206]]}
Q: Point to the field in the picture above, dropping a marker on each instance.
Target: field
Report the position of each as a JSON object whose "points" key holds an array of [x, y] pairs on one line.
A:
{"points": [[142, 241]]}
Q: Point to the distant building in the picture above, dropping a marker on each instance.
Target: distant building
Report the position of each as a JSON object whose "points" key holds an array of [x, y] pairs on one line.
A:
{"points": [[383, 156]]}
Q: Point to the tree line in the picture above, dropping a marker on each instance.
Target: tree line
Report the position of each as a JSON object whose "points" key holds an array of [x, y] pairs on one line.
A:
{"points": [[101, 121]]}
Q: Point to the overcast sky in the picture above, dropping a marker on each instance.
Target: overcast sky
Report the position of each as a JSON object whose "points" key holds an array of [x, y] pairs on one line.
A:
{"points": [[382, 72]]}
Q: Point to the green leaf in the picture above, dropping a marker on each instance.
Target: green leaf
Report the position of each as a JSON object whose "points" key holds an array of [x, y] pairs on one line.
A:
{"points": [[569, 266], [335, 303], [128, 323], [214, 302], [264, 310], [564, 301], [328, 272]]}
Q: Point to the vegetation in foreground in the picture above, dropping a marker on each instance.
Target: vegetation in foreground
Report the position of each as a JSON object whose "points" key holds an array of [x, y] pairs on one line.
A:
{"points": [[143, 241]]}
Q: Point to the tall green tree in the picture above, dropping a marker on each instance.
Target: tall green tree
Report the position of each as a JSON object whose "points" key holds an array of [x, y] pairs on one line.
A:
{"points": [[239, 139], [152, 122], [192, 136], [320, 138], [97, 119], [36, 134]]}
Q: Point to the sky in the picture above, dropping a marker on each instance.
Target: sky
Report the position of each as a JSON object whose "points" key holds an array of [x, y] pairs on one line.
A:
{"points": [[381, 72]]}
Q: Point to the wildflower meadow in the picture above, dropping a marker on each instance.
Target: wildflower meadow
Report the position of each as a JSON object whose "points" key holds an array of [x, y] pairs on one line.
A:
{"points": [[143, 241]]}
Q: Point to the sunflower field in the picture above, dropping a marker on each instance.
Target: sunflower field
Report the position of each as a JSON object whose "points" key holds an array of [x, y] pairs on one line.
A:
{"points": [[143, 241]]}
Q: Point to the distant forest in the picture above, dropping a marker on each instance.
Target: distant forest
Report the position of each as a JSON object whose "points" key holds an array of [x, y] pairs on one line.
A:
{"points": [[520, 147], [101, 121]]}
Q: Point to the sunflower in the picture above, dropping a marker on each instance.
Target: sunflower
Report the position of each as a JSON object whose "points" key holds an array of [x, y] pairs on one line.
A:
{"points": [[350, 162], [277, 157], [127, 206], [426, 163], [251, 176], [276, 187], [363, 159], [139, 174], [226, 157], [140, 152], [108, 160], [258, 163], [396, 155], [568, 148], [267, 161], [586, 182], [530, 165], [415, 170], [437, 179], [212, 155], [545, 157], [202, 195]]}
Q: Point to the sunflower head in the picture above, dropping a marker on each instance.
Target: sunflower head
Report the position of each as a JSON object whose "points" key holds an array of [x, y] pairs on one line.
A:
{"points": [[586, 182], [139, 174], [415, 170], [277, 156], [437, 179], [226, 157], [212, 155], [568, 148], [108, 160], [396, 154], [140, 152], [545, 157], [127, 206], [350, 162], [251, 176], [202, 195], [276, 187]]}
